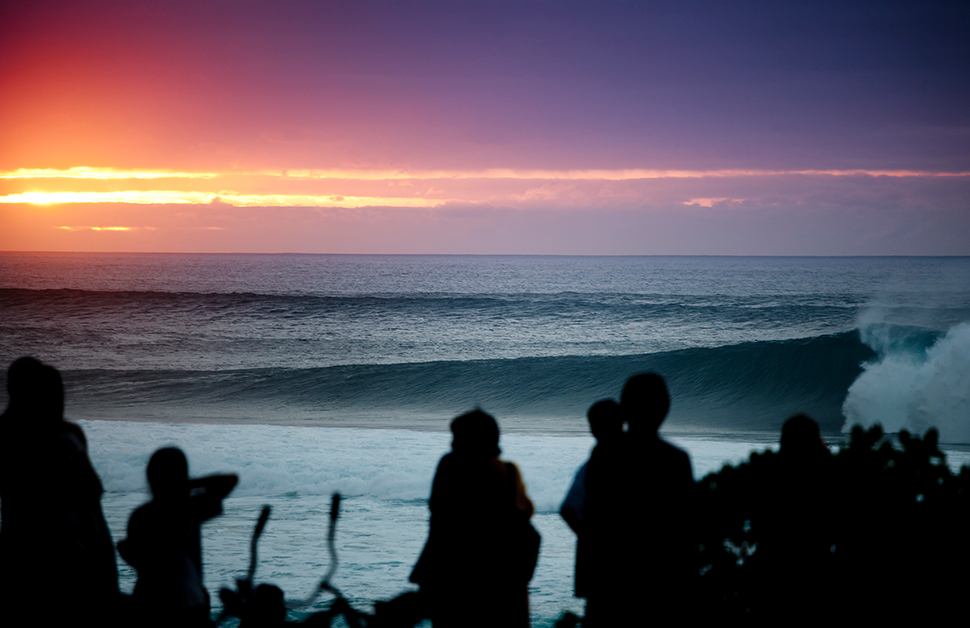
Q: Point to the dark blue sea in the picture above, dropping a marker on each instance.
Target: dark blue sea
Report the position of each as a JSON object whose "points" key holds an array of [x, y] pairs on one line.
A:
{"points": [[312, 373]]}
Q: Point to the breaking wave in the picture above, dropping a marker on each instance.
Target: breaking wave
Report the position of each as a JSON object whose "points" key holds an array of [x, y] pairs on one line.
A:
{"points": [[918, 379], [748, 387]]}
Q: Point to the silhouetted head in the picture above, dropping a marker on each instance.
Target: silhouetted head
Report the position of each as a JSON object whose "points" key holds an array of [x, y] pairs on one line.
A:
{"points": [[168, 473], [801, 437], [605, 420], [645, 402], [36, 390], [475, 434]]}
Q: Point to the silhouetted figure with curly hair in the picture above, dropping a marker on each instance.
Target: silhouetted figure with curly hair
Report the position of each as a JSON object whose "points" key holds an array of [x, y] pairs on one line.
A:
{"points": [[481, 550], [54, 543]]}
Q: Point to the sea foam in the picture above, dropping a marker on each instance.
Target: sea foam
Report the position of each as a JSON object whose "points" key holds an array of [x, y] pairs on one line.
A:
{"points": [[917, 381], [385, 477], [279, 461]]}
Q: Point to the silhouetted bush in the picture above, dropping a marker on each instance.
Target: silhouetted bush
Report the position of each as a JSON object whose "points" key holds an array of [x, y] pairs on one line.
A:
{"points": [[875, 532]]}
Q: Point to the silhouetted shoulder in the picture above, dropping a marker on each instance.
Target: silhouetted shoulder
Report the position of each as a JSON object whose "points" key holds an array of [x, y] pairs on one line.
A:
{"points": [[678, 459]]}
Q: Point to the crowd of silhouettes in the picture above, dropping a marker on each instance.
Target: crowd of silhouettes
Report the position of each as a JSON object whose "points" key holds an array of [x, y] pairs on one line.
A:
{"points": [[57, 559], [871, 532]]}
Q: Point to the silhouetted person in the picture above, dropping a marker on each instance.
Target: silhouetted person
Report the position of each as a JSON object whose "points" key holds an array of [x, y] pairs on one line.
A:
{"points": [[793, 524], [801, 440], [164, 544], [606, 424], [54, 543], [475, 567], [639, 517]]}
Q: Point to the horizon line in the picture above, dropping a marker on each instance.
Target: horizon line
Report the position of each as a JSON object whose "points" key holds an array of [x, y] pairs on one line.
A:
{"points": [[296, 253]]}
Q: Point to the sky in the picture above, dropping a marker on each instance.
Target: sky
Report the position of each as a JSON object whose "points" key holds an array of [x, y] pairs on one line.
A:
{"points": [[530, 127]]}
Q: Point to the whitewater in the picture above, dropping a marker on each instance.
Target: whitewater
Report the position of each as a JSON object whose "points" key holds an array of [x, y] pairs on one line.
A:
{"points": [[309, 374]]}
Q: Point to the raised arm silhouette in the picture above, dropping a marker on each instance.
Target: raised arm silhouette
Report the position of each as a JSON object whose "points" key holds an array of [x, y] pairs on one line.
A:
{"points": [[164, 544]]}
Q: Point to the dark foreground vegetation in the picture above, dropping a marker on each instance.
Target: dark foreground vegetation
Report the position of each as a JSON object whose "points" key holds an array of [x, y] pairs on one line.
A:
{"points": [[878, 532]]}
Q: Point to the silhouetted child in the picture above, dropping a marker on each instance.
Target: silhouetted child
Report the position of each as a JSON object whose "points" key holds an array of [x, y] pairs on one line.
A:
{"points": [[164, 544], [606, 425], [481, 550], [637, 525], [54, 543]]}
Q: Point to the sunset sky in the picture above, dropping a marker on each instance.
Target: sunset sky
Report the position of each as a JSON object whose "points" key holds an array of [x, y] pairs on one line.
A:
{"points": [[547, 127]]}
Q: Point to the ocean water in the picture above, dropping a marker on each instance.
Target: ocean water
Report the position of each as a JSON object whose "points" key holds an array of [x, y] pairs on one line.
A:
{"points": [[384, 477], [307, 374]]}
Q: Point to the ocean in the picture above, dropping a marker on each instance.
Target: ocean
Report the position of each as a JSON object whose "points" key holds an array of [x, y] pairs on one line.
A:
{"points": [[308, 374]]}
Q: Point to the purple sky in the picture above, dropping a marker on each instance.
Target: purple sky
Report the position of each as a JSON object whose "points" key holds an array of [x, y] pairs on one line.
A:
{"points": [[440, 93]]}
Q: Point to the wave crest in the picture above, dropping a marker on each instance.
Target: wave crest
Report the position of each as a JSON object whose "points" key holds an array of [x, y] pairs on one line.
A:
{"points": [[749, 387], [920, 379]]}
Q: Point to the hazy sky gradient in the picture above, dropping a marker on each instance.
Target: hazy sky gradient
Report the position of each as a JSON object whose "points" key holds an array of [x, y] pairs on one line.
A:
{"points": [[500, 127]]}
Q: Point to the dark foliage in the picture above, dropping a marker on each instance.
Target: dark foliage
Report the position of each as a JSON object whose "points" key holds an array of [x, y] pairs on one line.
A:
{"points": [[876, 532]]}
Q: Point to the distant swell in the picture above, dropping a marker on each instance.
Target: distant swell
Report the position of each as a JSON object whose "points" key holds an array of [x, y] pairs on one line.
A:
{"points": [[322, 305], [749, 387]]}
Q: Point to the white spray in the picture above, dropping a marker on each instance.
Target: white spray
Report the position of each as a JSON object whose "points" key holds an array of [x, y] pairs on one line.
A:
{"points": [[909, 387]]}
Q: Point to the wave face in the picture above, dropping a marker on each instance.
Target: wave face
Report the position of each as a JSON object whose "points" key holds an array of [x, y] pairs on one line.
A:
{"points": [[410, 341], [750, 387], [213, 331], [919, 379]]}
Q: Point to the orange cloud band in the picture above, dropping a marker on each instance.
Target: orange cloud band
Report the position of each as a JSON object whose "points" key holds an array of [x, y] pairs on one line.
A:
{"points": [[170, 197], [493, 173], [101, 173], [66, 228], [385, 188]]}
